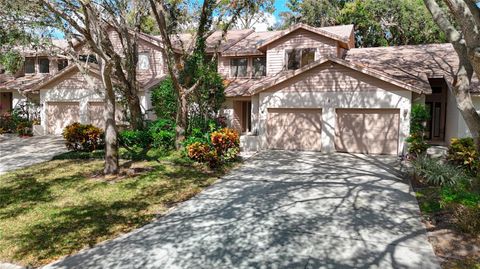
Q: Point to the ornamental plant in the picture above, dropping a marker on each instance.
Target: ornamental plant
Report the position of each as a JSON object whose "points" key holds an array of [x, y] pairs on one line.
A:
{"points": [[224, 146], [83, 137], [462, 151]]}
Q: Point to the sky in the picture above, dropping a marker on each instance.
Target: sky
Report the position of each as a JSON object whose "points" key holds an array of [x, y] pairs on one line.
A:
{"points": [[280, 6]]}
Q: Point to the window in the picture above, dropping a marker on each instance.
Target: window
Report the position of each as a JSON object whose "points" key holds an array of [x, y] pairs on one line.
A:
{"points": [[62, 64], [44, 65], [29, 65], [238, 67], [88, 58], [143, 61], [297, 58], [259, 67]]}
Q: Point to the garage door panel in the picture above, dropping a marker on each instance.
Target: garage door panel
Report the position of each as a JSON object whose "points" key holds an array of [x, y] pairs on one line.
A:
{"points": [[61, 114], [96, 117], [294, 129], [373, 131]]}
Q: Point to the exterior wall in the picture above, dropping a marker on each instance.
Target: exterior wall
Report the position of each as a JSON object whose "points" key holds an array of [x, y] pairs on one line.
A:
{"points": [[456, 126], [156, 59], [17, 98], [298, 39], [74, 88], [330, 88]]}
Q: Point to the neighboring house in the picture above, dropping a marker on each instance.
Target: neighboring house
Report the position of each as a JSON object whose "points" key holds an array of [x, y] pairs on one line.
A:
{"points": [[39, 64], [303, 88]]}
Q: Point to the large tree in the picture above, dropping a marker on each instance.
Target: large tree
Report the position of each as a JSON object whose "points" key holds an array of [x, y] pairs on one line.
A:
{"points": [[461, 23], [186, 59], [92, 23], [377, 22], [390, 23]]}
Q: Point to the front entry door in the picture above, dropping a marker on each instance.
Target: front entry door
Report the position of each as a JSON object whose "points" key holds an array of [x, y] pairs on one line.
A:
{"points": [[5, 102], [435, 126]]}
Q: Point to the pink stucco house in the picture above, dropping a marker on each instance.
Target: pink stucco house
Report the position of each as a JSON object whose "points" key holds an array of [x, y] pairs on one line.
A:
{"points": [[302, 88]]}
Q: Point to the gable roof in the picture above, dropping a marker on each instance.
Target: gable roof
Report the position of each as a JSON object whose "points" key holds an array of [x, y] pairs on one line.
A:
{"points": [[231, 38], [335, 32], [253, 86], [413, 64]]}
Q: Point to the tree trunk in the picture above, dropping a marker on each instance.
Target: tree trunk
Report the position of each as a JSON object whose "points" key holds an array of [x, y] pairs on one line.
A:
{"points": [[136, 116], [181, 121], [461, 90], [111, 142]]}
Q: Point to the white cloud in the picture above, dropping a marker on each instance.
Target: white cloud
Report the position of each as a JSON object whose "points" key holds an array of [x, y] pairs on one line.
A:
{"points": [[265, 22]]}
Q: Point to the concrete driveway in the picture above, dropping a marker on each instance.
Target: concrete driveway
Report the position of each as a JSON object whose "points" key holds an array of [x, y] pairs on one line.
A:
{"points": [[283, 210], [17, 152]]}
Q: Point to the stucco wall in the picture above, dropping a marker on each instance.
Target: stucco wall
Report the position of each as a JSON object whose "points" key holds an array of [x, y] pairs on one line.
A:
{"points": [[456, 122], [348, 89]]}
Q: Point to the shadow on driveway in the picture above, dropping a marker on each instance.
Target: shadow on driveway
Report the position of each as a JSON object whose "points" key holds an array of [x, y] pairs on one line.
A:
{"points": [[283, 210]]}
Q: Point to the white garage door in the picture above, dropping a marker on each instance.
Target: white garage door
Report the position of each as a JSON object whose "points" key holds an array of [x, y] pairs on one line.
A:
{"points": [[294, 129], [61, 114], [96, 117], [369, 131]]}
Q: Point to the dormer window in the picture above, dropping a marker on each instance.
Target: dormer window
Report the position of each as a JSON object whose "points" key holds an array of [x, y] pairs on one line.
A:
{"points": [[29, 65], [238, 67], [62, 64], [298, 58], [259, 67], [143, 61], [88, 58], [44, 65]]}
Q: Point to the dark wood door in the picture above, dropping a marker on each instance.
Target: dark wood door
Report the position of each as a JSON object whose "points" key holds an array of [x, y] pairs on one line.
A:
{"points": [[5, 102]]}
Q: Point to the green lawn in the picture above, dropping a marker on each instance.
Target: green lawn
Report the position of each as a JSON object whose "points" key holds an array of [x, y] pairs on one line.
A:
{"points": [[59, 207]]}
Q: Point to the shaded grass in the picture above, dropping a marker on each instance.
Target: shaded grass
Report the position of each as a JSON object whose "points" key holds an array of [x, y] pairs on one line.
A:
{"points": [[428, 200], [57, 208]]}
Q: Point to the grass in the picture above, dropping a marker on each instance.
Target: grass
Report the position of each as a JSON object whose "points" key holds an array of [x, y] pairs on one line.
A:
{"points": [[56, 208], [428, 200]]}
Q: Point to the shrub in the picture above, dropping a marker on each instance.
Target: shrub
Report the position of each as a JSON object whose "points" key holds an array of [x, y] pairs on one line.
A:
{"points": [[416, 145], [219, 146], [162, 133], [24, 128], [437, 173], [419, 117], [164, 100], [135, 138], [226, 142], [204, 153], [467, 218], [462, 152], [83, 137], [416, 141]]}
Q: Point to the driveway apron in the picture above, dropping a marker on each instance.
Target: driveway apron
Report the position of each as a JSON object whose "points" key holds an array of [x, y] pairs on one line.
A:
{"points": [[283, 210]]}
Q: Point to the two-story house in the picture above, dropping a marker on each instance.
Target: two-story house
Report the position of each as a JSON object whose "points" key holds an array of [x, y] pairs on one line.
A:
{"points": [[303, 88], [308, 88]]}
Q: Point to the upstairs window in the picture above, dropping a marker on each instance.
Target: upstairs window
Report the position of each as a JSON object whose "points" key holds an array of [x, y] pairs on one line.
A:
{"points": [[259, 67], [298, 58], [29, 65], [88, 58], [238, 67], [143, 61], [44, 65], [62, 64]]}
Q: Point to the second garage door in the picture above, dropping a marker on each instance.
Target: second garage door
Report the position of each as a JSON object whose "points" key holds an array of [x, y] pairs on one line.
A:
{"points": [[369, 131], [61, 114], [294, 129], [96, 117]]}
